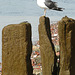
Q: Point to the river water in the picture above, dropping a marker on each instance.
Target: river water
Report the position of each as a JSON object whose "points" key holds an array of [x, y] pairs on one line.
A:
{"points": [[16, 11]]}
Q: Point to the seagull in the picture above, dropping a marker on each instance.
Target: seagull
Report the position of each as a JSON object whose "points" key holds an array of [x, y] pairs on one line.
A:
{"points": [[48, 4]]}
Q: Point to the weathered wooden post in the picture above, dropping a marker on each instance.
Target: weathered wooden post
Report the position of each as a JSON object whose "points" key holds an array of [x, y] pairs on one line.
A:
{"points": [[16, 49], [66, 30], [46, 46]]}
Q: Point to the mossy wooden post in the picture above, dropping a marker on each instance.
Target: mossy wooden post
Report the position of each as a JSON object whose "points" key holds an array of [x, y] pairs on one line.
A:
{"points": [[16, 49], [66, 30], [46, 46]]}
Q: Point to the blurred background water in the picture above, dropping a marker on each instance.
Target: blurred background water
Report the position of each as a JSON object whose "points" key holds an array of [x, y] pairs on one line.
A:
{"points": [[16, 11], [30, 8]]}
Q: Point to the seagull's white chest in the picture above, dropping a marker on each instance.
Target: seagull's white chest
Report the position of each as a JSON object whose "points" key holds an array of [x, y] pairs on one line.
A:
{"points": [[41, 4]]}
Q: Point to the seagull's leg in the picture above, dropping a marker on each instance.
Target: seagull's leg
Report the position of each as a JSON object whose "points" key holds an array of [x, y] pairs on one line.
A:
{"points": [[44, 12]]}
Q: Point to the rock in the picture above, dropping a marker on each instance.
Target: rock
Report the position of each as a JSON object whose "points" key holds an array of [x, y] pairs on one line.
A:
{"points": [[46, 46], [66, 30], [16, 49]]}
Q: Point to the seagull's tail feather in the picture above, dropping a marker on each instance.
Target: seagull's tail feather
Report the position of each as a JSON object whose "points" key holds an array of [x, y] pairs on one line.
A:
{"points": [[58, 9]]}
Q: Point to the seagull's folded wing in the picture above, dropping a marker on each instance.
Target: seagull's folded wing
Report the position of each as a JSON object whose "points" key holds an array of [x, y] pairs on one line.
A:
{"points": [[50, 4]]}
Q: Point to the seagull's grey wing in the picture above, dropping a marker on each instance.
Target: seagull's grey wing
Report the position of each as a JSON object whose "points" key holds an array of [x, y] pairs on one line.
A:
{"points": [[47, 0], [50, 4]]}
